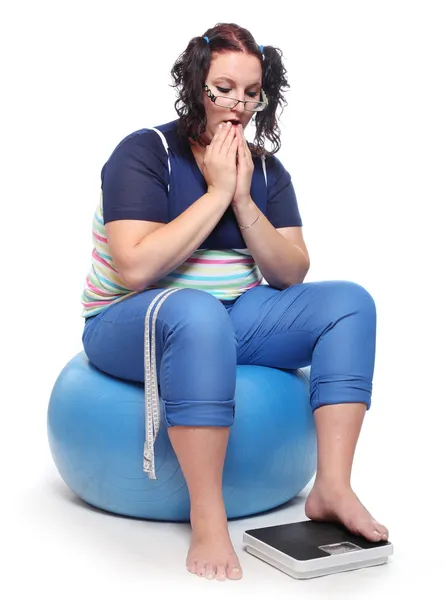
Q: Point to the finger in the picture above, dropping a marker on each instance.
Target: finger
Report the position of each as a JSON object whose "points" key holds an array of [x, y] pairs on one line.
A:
{"points": [[248, 153], [210, 148], [221, 135], [240, 147], [233, 148], [230, 136], [243, 142], [215, 138], [247, 148]]}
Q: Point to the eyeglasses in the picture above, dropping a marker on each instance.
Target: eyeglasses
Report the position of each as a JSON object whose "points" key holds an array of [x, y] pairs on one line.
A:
{"points": [[250, 105]]}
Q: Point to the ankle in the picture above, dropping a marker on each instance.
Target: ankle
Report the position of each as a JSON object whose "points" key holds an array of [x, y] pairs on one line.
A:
{"points": [[339, 485], [208, 513]]}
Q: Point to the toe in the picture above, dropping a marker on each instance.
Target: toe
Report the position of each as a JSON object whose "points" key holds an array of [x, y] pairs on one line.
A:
{"points": [[382, 530], [233, 569], [191, 566], [371, 532], [200, 569], [233, 572], [220, 572], [210, 571]]}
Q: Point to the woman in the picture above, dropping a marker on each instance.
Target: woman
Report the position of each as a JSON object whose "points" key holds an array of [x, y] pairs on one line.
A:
{"points": [[191, 220]]}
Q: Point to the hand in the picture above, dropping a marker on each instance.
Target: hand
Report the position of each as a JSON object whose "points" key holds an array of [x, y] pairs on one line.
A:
{"points": [[245, 169], [219, 165]]}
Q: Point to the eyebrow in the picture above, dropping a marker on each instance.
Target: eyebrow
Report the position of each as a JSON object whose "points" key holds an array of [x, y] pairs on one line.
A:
{"points": [[231, 81]]}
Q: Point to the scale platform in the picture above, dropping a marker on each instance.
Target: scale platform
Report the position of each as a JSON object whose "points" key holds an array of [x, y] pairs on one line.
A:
{"points": [[312, 549]]}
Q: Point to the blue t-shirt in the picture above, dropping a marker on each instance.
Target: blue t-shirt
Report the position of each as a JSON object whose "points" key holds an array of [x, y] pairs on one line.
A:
{"points": [[136, 185]]}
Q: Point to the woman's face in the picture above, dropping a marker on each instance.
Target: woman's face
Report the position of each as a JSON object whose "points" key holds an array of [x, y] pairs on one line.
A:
{"points": [[235, 75]]}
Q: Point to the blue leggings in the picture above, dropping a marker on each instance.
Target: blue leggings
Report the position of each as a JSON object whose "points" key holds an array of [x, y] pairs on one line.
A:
{"points": [[330, 325], [187, 345]]}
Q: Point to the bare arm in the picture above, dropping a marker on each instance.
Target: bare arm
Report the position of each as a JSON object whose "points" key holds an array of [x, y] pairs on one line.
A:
{"points": [[281, 254], [145, 251]]}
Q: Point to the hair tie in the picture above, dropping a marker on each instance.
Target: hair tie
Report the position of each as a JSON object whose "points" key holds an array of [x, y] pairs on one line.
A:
{"points": [[261, 49], [206, 38]]}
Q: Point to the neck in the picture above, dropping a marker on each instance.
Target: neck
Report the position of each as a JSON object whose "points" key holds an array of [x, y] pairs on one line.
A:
{"points": [[198, 153]]}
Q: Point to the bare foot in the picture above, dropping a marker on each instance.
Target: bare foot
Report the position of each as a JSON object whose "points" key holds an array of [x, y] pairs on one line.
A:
{"points": [[211, 553], [325, 503]]}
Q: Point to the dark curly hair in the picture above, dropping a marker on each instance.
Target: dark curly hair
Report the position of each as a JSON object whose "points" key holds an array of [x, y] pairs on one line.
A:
{"points": [[192, 67]]}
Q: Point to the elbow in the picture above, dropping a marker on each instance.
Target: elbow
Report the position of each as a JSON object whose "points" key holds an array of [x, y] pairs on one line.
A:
{"points": [[135, 281], [135, 286], [298, 276], [305, 270], [304, 266]]}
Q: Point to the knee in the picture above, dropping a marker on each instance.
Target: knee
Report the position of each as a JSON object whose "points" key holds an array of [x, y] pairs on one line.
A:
{"points": [[357, 296], [198, 313], [206, 346], [347, 298]]}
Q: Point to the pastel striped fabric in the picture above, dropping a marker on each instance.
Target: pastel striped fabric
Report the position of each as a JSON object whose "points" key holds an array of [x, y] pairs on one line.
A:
{"points": [[226, 274]]}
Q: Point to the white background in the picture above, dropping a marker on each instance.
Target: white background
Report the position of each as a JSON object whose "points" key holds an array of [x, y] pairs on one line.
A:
{"points": [[364, 139]]}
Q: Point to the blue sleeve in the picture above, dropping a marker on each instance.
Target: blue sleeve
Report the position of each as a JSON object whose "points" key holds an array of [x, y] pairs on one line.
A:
{"points": [[281, 209], [135, 180]]}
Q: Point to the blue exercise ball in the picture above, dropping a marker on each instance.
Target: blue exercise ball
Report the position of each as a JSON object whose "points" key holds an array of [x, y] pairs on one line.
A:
{"points": [[96, 434]]}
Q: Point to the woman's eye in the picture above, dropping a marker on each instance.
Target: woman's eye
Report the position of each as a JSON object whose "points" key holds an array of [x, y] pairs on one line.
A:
{"points": [[227, 90]]}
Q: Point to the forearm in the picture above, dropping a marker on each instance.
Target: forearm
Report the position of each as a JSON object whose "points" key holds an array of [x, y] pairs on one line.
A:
{"points": [[281, 263], [162, 251]]}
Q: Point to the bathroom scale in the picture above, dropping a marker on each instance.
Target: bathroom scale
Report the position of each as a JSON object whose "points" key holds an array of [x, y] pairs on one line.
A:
{"points": [[312, 549]]}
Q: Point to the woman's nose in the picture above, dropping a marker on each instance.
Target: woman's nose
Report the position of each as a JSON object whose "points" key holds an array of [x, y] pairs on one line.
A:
{"points": [[239, 109]]}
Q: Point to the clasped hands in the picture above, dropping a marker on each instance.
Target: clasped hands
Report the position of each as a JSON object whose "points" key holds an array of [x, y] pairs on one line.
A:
{"points": [[228, 164]]}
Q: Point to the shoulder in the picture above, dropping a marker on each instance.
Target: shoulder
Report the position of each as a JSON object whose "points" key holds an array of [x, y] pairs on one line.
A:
{"points": [[270, 159], [272, 164], [146, 138], [143, 148]]}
